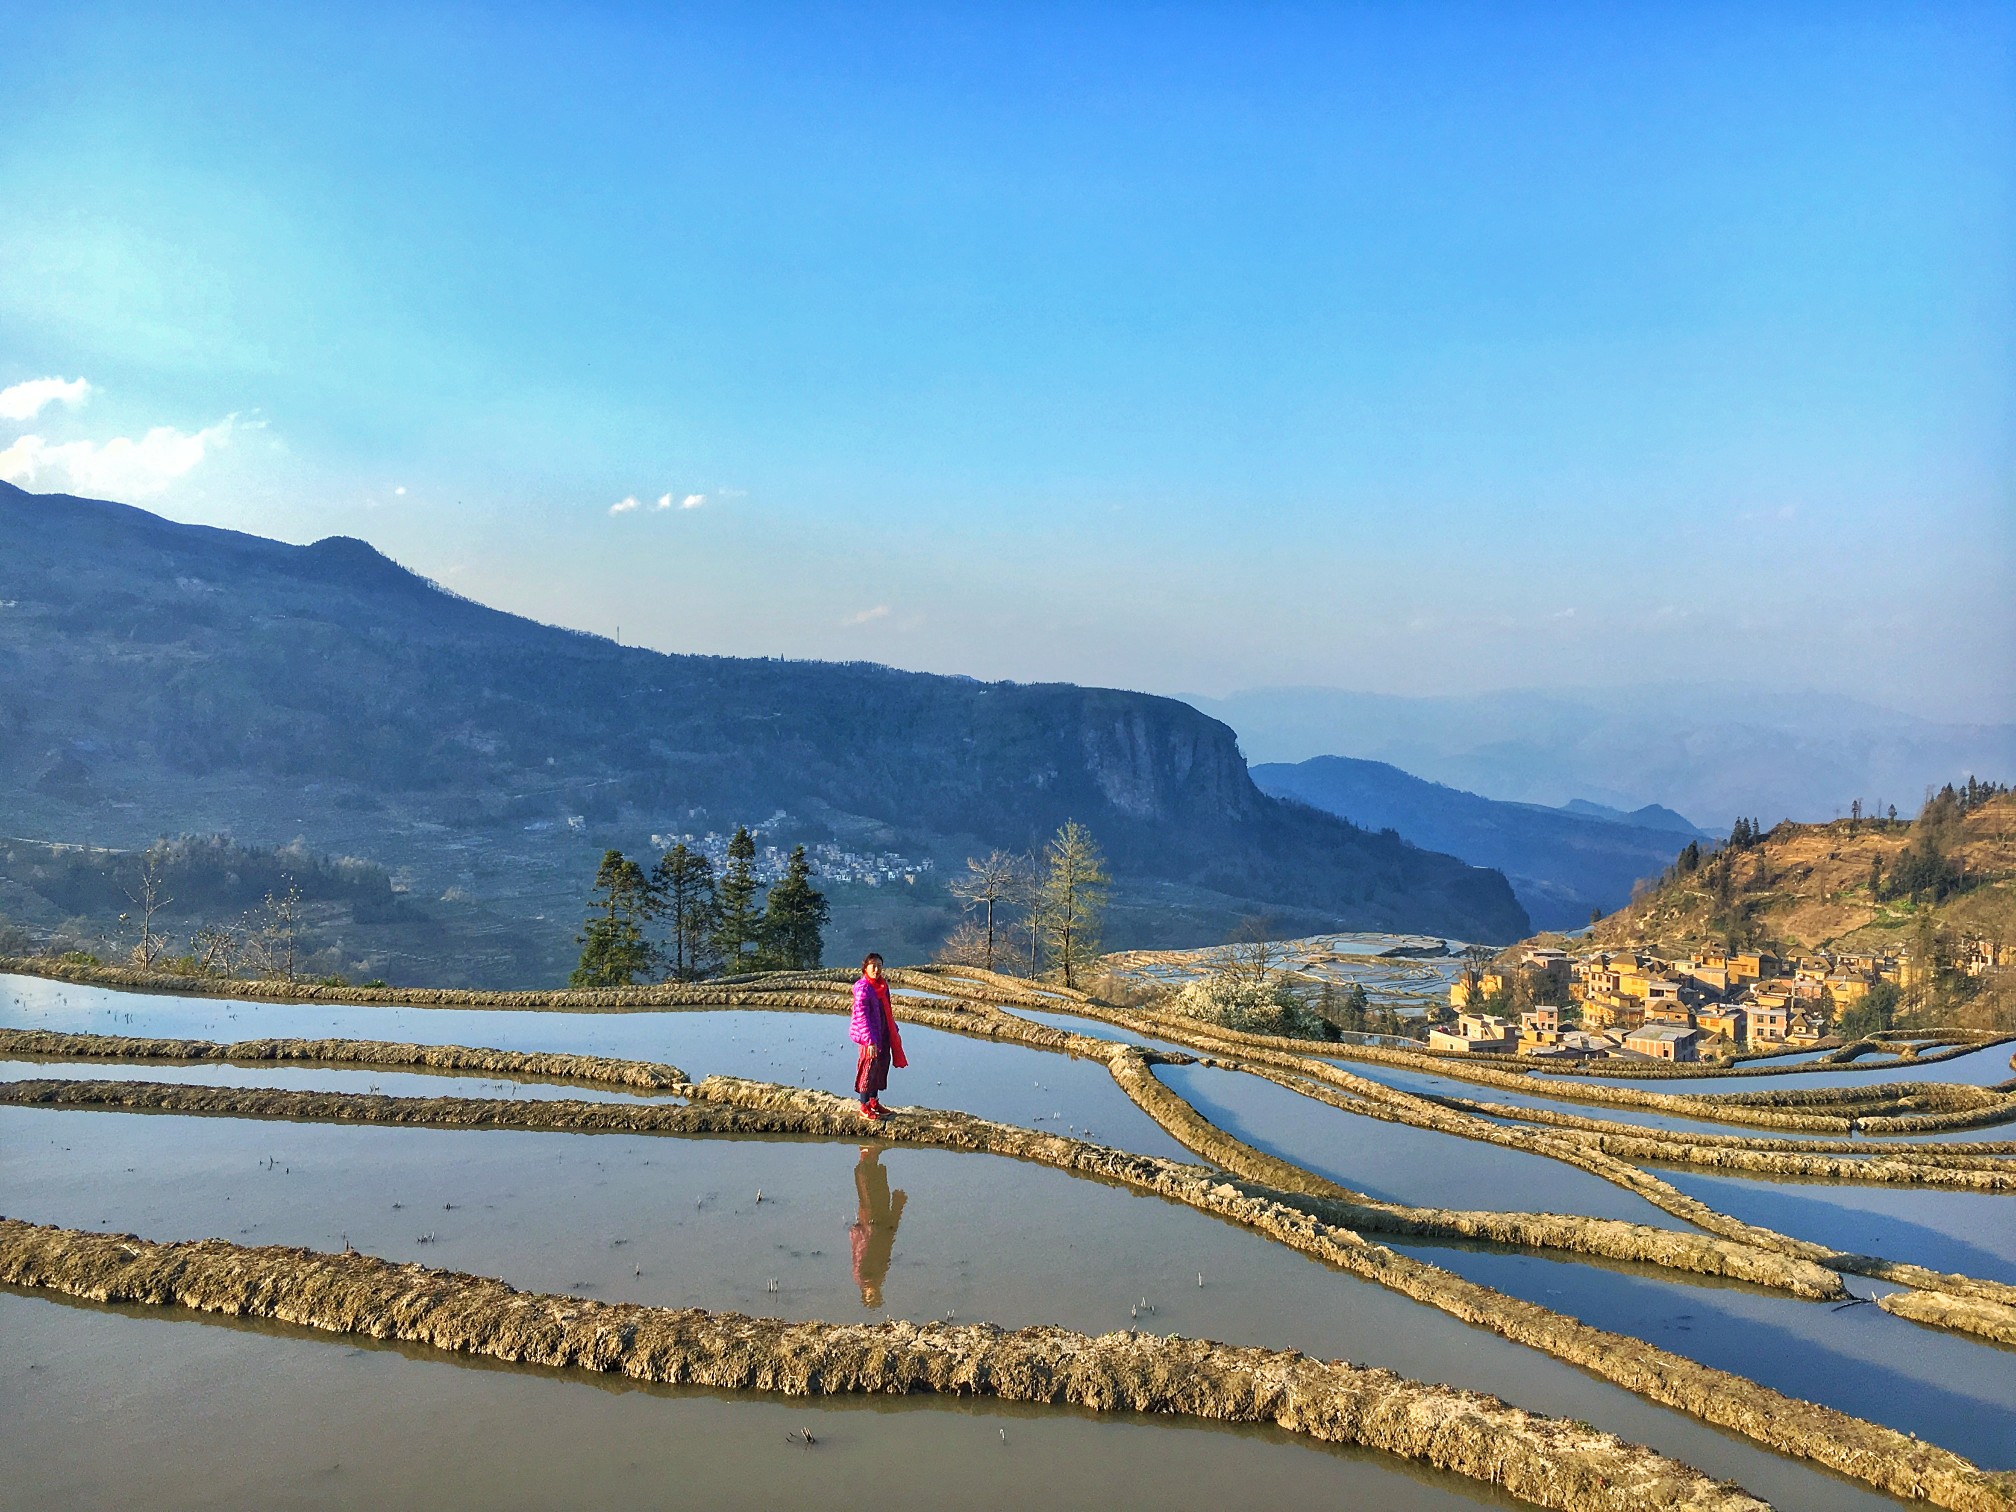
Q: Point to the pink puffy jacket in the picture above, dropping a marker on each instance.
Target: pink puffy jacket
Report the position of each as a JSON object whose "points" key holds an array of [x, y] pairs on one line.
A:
{"points": [[869, 1026]]}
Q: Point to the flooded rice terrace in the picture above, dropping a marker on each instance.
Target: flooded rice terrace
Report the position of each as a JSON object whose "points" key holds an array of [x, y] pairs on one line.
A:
{"points": [[1404, 971], [1859, 1359], [1984, 1067], [855, 1230], [1973, 1233], [1011, 1083], [310, 1077], [359, 1424], [1396, 1163], [1406, 1079]]}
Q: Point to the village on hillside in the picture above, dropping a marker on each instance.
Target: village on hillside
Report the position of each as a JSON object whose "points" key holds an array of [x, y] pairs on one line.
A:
{"points": [[1634, 1004]]}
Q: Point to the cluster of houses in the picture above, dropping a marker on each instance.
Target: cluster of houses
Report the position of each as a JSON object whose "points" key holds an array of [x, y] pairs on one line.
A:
{"points": [[1632, 1004], [830, 862]]}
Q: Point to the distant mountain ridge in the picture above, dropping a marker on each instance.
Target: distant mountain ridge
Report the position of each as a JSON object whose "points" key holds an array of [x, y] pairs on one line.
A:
{"points": [[1654, 816], [1713, 751], [158, 677], [1561, 862]]}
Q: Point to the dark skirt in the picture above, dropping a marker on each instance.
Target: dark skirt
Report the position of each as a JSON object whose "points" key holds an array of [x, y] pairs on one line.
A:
{"points": [[871, 1072]]}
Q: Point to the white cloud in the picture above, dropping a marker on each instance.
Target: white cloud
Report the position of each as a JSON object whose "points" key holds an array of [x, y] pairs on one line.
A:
{"points": [[400, 490], [119, 468], [24, 401], [867, 616], [665, 501]]}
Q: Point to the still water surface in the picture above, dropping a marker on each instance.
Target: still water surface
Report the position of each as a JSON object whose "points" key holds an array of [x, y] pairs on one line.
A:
{"points": [[675, 1222], [298, 1076], [1405, 1079], [1011, 1083], [1399, 1163], [1970, 1232], [100, 1413], [1942, 1386]]}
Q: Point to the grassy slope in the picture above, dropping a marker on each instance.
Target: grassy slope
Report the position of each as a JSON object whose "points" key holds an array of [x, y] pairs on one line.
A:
{"points": [[1812, 891], [1807, 888]]}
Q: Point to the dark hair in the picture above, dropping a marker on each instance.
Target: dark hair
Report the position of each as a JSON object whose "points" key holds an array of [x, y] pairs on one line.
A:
{"points": [[873, 958]]}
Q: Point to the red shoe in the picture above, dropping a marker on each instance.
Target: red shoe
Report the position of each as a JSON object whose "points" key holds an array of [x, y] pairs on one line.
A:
{"points": [[875, 1106], [872, 1112]]}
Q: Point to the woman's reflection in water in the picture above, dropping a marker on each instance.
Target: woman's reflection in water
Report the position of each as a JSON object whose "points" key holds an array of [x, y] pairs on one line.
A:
{"points": [[876, 1215]]}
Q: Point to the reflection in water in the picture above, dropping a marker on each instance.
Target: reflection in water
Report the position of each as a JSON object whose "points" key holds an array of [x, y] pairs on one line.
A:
{"points": [[873, 1230]]}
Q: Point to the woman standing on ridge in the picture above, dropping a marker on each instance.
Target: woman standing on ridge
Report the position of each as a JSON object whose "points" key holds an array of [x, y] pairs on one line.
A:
{"points": [[874, 1030]]}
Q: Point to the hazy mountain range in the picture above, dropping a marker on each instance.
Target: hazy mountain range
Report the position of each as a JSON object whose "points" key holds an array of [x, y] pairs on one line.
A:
{"points": [[1562, 862], [158, 678], [1713, 752]]}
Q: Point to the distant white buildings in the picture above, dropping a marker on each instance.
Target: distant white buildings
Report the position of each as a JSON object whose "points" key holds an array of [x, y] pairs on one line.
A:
{"points": [[830, 862]]}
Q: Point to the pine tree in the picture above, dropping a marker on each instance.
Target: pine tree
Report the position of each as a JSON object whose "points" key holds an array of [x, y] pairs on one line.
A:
{"points": [[1070, 900], [1345, 1008], [794, 919], [684, 883], [614, 951], [738, 918]]}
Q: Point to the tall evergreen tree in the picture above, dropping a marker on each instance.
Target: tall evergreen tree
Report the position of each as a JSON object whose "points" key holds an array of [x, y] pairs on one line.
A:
{"points": [[738, 919], [1344, 1007], [1071, 900], [794, 919], [684, 883], [614, 950]]}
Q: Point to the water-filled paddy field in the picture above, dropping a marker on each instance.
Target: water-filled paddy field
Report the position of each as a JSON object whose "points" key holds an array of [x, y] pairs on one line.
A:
{"points": [[855, 1230], [1008, 1082], [1943, 1387], [1406, 1079], [359, 1424], [676, 1222], [320, 1078], [1396, 1163], [1984, 1067], [1973, 1233], [1091, 1028]]}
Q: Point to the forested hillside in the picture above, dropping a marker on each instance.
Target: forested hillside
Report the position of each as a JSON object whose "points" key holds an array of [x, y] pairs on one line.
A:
{"points": [[158, 678]]}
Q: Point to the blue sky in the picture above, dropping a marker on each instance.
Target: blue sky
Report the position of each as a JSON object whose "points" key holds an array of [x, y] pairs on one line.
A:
{"points": [[1412, 348]]}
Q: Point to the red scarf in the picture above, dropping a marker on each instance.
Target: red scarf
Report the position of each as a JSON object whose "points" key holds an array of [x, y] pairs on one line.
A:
{"points": [[881, 988]]}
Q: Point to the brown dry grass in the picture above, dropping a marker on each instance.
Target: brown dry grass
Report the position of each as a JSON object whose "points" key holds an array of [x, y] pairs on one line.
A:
{"points": [[1818, 887], [1991, 1320]]}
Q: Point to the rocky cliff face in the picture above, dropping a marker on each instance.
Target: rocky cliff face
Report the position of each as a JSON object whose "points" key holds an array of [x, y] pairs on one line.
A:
{"points": [[1156, 759], [159, 677]]}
